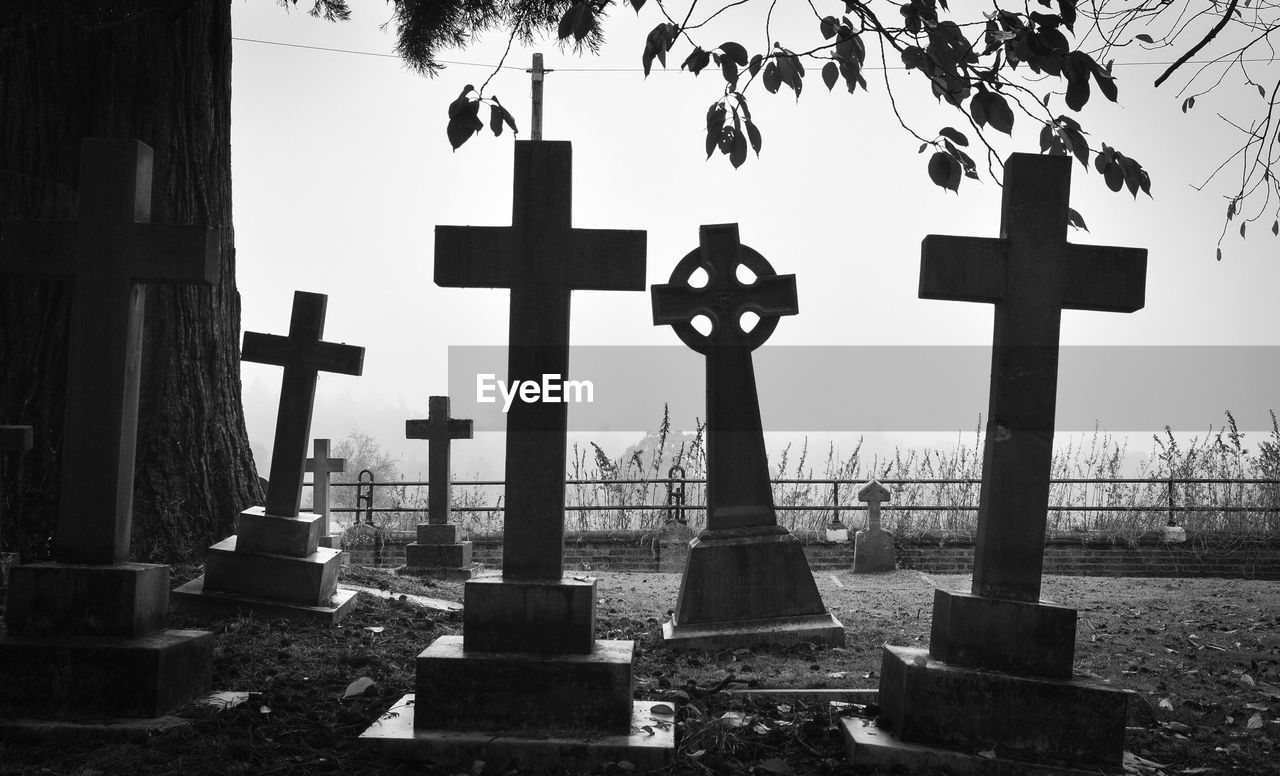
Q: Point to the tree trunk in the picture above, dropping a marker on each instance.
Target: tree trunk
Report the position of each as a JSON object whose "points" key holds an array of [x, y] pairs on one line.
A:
{"points": [[159, 72]]}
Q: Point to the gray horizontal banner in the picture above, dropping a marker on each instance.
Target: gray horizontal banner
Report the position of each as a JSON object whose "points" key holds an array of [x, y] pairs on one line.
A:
{"points": [[881, 389]]}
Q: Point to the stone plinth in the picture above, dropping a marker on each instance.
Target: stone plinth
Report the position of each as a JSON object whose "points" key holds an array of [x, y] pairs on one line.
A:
{"points": [[1062, 721], [1031, 639], [747, 587], [438, 553], [273, 585], [507, 615], [147, 676], [258, 532], [463, 689], [648, 743], [873, 551], [124, 600]]}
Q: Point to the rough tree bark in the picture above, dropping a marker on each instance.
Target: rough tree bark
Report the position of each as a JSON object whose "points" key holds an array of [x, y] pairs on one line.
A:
{"points": [[158, 71]]}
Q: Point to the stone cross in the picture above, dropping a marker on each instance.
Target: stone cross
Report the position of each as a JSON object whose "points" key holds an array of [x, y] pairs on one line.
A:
{"points": [[738, 489], [873, 493], [303, 356], [439, 430], [109, 253], [15, 439], [321, 466], [542, 259], [1030, 274]]}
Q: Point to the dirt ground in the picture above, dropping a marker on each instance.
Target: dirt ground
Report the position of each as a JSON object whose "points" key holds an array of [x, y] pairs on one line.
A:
{"points": [[1203, 654]]}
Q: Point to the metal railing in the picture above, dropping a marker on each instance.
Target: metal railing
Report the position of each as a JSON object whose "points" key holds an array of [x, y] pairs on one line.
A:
{"points": [[675, 495]]}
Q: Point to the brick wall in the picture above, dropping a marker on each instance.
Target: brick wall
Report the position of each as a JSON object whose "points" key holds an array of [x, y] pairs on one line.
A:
{"points": [[1205, 555]]}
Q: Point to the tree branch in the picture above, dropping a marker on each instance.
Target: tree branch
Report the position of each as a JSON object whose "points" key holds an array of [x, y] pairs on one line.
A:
{"points": [[1213, 33]]}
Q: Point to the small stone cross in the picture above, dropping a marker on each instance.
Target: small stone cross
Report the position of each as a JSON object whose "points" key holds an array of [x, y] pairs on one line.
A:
{"points": [[439, 430], [321, 466], [739, 494], [109, 254], [303, 356], [873, 493], [1030, 274], [542, 259]]}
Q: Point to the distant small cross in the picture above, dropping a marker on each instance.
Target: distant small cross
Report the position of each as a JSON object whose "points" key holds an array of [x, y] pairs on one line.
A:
{"points": [[739, 494], [321, 466], [1030, 274], [15, 439], [303, 356], [439, 430], [109, 253], [542, 259], [873, 493]]}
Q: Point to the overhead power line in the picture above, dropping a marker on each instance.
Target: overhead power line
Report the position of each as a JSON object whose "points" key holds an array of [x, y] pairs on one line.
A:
{"points": [[629, 69]]}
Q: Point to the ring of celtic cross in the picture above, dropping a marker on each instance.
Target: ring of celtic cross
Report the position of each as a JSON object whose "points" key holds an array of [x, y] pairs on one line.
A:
{"points": [[724, 299]]}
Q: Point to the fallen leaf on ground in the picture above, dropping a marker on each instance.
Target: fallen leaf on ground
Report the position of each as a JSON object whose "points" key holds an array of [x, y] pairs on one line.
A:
{"points": [[357, 687]]}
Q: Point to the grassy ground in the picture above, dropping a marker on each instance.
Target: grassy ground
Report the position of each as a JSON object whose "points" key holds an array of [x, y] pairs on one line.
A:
{"points": [[1203, 654]]}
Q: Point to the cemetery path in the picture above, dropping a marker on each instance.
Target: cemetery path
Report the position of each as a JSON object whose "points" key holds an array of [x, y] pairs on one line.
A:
{"points": [[1202, 654]]}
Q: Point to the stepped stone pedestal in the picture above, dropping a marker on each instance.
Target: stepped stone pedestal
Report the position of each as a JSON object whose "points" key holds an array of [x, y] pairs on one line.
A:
{"points": [[438, 553], [274, 567], [89, 640]]}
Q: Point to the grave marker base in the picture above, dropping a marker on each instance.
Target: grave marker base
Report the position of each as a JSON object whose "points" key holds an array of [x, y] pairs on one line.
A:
{"points": [[193, 599], [869, 746], [749, 586], [463, 689], [515, 615], [455, 574], [309, 580], [648, 750], [438, 553], [873, 551], [257, 531], [125, 600], [1058, 721], [100, 676], [1021, 637]]}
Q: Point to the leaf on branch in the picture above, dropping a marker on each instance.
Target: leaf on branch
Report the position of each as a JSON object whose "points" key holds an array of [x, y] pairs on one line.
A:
{"points": [[498, 116], [1145, 38], [730, 72], [754, 65], [954, 135], [992, 108], [735, 52], [1077, 67], [1261, 92], [852, 73], [753, 134], [829, 26], [1074, 219], [738, 154], [1188, 104], [1275, 227], [912, 56], [696, 61], [464, 119], [772, 80], [1106, 82], [659, 42], [944, 171], [830, 74], [637, 4], [790, 70], [1067, 10]]}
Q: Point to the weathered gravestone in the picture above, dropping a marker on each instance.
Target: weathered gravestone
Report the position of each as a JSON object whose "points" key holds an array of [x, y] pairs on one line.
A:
{"points": [[321, 466], [746, 580], [437, 551], [13, 439], [873, 546], [998, 671], [86, 633], [528, 662], [274, 564]]}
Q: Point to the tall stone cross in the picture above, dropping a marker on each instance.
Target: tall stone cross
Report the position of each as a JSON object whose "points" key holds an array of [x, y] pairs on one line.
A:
{"points": [[321, 465], [738, 489], [1030, 274], [303, 356], [108, 255], [542, 259], [439, 430]]}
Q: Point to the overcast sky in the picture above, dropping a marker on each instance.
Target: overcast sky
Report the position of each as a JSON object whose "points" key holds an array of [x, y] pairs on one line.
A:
{"points": [[342, 171]]}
